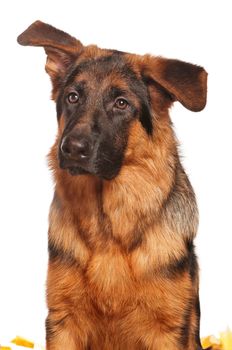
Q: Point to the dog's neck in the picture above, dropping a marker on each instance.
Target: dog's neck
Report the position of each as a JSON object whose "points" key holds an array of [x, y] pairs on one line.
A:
{"points": [[127, 205]]}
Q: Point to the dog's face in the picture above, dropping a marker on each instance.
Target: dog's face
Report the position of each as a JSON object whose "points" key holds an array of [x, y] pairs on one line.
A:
{"points": [[101, 93], [98, 101]]}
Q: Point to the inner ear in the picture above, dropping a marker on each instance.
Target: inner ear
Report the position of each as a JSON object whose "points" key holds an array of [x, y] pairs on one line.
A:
{"points": [[58, 62], [160, 98]]}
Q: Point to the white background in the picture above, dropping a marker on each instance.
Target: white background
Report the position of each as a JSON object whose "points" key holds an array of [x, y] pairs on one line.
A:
{"points": [[195, 31]]}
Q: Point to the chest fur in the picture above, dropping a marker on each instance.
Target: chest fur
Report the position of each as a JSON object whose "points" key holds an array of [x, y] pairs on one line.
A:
{"points": [[113, 275], [119, 237]]}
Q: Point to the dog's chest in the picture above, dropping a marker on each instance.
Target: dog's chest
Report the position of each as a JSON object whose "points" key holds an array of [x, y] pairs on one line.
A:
{"points": [[110, 280]]}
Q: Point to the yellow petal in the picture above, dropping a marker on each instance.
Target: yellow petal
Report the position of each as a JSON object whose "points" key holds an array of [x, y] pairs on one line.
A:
{"points": [[226, 339], [211, 341], [23, 342], [205, 342]]}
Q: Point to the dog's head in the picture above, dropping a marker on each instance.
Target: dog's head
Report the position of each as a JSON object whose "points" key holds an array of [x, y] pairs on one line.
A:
{"points": [[101, 93]]}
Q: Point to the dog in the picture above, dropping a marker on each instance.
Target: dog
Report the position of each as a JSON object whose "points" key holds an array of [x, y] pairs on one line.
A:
{"points": [[122, 271]]}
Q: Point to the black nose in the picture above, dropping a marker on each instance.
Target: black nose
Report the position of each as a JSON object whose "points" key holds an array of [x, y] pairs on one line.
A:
{"points": [[75, 148]]}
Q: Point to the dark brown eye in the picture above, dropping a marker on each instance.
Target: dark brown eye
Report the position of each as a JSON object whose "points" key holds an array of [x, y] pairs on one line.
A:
{"points": [[73, 97], [121, 103]]}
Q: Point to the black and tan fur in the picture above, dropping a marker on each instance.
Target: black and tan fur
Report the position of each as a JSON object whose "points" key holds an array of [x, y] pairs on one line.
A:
{"points": [[122, 269]]}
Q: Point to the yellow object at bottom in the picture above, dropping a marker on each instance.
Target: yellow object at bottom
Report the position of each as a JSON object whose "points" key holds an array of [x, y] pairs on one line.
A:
{"points": [[23, 342], [224, 342]]}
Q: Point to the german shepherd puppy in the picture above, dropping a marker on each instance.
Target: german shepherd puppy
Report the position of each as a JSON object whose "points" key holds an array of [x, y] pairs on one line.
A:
{"points": [[122, 270]]}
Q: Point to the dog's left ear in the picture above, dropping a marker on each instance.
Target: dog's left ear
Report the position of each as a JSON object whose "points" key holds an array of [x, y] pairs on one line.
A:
{"points": [[183, 81], [61, 48]]}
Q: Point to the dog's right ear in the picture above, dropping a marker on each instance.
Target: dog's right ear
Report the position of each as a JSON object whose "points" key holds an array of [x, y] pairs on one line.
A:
{"points": [[61, 48]]}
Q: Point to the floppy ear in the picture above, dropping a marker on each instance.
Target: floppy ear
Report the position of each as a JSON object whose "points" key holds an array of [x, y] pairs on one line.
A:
{"points": [[184, 82], [61, 48]]}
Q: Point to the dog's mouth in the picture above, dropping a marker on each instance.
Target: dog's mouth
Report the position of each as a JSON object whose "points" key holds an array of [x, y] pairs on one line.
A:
{"points": [[73, 168], [76, 170], [88, 167]]}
